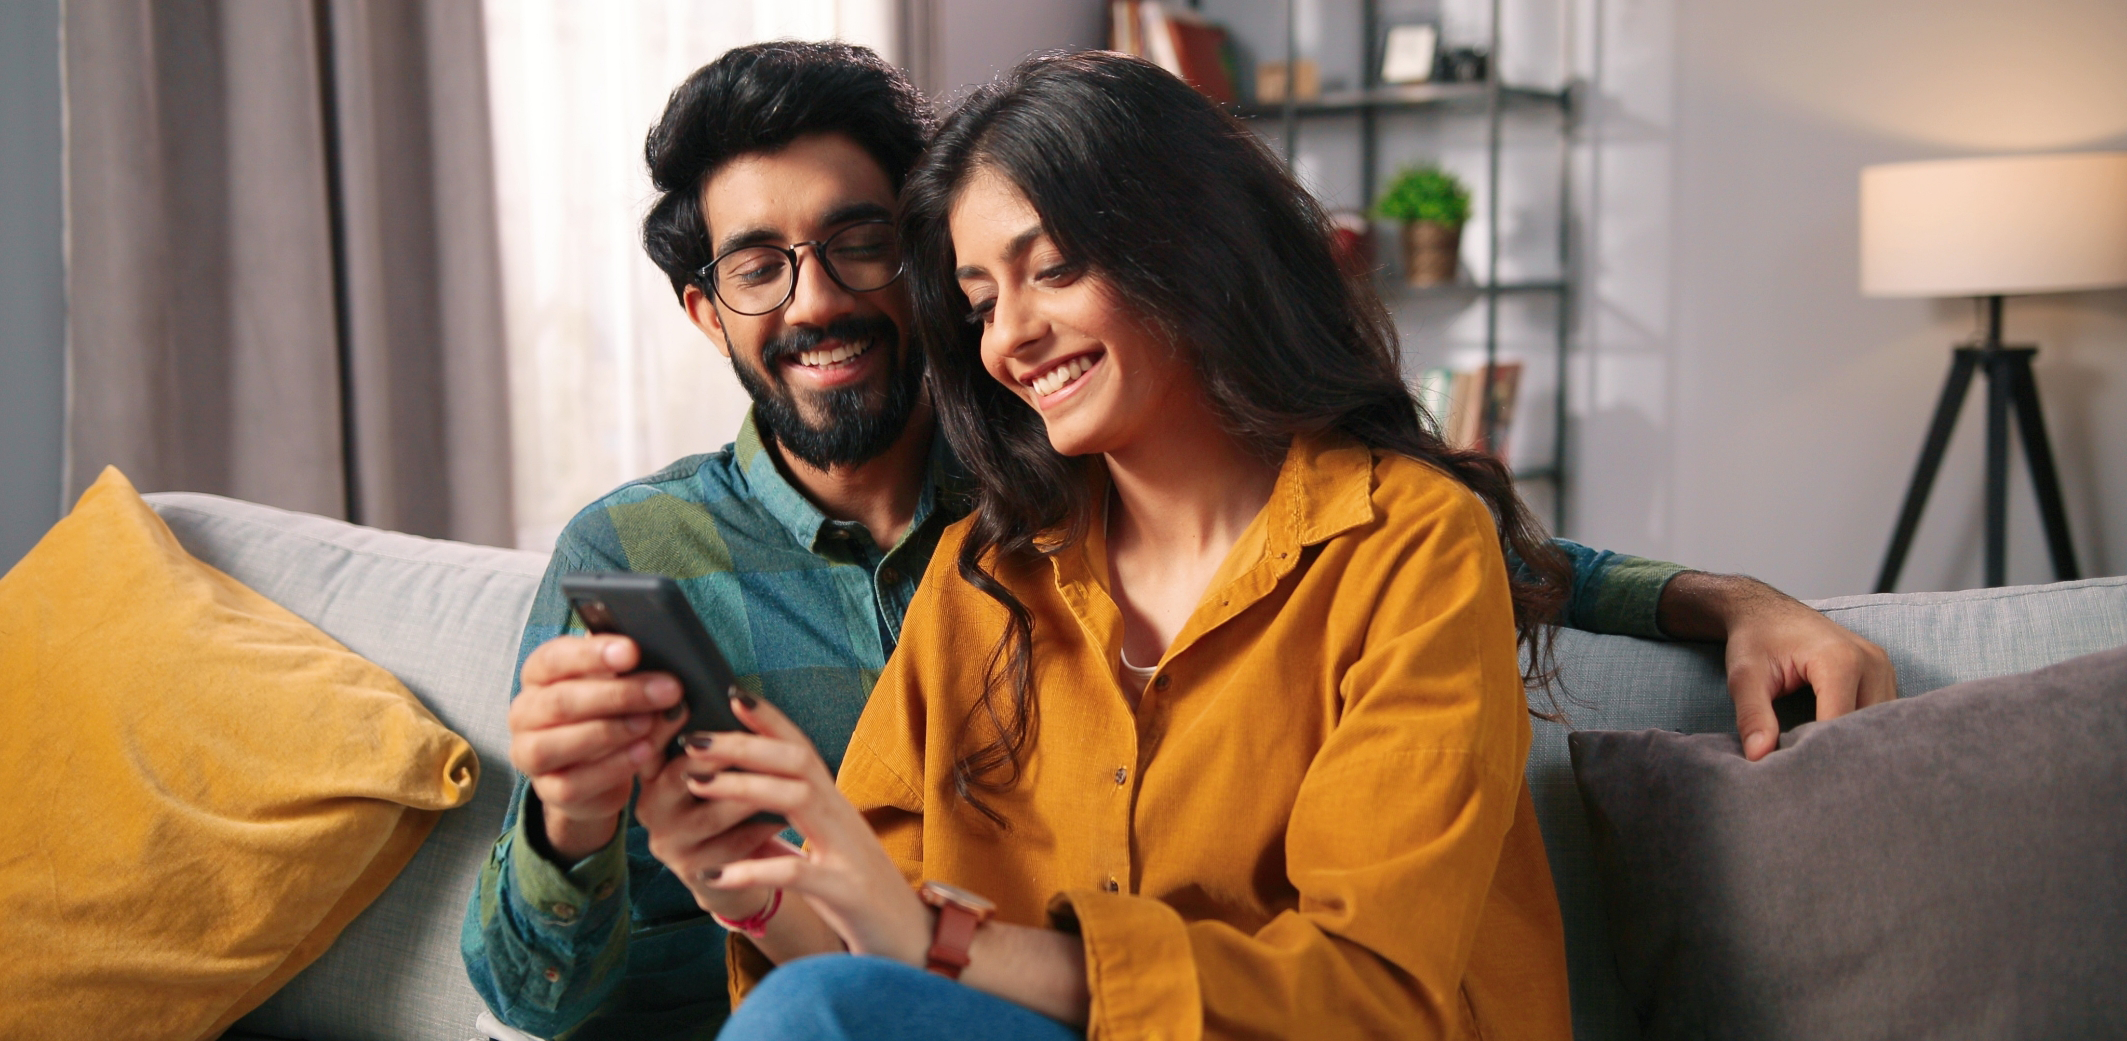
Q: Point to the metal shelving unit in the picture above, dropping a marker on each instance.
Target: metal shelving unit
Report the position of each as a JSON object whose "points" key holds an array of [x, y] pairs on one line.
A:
{"points": [[1492, 99]]}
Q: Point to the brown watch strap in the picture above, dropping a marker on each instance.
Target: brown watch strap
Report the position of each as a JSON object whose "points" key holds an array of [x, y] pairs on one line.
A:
{"points": [[950, 941]]}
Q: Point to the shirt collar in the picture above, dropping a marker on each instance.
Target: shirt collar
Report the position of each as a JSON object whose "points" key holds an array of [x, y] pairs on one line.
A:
{"points": [[943, 487], [1325, 487]]}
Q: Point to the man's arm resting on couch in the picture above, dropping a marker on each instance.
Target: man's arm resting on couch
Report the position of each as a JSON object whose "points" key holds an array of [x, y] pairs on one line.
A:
{"points": [[1774, 643]]}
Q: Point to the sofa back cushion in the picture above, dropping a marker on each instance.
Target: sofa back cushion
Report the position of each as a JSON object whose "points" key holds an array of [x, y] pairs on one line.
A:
{"points": [[1619, 683], [445, 619]]}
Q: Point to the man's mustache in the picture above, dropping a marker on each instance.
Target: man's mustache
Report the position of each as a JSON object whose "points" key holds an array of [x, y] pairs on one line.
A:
{"points": [[851, 329]]}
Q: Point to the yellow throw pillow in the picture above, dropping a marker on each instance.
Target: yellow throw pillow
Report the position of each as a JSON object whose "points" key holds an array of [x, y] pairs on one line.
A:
{"points": [[200, 789]]}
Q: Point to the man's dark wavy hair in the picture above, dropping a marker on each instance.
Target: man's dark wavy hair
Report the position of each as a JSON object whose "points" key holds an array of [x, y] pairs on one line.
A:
{"points": [[760, 98], [1199, 228]]}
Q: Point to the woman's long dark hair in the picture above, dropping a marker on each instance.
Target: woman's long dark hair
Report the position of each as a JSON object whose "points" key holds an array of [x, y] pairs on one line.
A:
{"points": [[1197, 226]]}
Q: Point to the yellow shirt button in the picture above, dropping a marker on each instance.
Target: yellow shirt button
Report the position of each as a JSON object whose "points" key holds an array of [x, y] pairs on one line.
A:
{"points": [[1161, 682], [1122, 773], [1111, 886]]}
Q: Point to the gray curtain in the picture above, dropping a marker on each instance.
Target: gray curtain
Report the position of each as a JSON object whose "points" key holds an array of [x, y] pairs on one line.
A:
{"points": [[283, 282]]}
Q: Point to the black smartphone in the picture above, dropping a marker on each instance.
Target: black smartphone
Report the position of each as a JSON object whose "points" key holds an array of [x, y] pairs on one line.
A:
{"points": [[651, 610]]}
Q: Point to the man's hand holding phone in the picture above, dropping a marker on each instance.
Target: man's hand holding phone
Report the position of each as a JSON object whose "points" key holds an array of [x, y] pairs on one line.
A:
{"points": [[583, 727]]}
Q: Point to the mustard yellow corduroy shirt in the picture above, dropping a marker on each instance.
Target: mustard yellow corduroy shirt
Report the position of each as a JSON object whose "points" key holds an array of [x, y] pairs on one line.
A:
{"points": [[1313, 821]]}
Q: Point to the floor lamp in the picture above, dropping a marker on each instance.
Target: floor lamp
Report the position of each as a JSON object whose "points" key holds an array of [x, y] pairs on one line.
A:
{"points": [[1989, 228]]}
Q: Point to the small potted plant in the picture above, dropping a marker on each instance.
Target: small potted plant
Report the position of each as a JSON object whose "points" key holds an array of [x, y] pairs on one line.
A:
{"points": [[1432, 204]]}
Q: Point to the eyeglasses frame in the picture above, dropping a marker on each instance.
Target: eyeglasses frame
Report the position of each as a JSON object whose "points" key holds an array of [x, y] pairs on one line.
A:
{"points": [[705, 276]]}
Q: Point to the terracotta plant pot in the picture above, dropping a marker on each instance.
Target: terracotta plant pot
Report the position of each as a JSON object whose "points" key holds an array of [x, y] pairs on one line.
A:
{"points": [[1431, 252]]}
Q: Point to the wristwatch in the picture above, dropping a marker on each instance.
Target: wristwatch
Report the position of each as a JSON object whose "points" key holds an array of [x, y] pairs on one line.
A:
{"points": [[959, 912]]}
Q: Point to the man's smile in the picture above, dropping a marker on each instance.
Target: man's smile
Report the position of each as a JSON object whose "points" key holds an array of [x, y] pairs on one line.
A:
{"points": [[825, 357], [831, 365]]}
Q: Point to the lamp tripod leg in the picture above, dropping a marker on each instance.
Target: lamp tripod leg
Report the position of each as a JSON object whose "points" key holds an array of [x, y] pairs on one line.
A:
{"points": [[1916, 497], [1997, 468], [2038, 453]]}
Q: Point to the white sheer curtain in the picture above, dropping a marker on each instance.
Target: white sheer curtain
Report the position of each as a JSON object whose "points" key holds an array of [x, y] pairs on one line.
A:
{"points": [[608, 380]]}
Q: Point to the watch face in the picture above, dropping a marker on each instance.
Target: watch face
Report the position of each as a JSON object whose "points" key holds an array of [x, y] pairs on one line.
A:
{"points": [[939, 893]]}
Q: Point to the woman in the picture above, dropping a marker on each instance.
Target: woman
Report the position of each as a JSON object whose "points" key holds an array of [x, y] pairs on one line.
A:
{"points": [[1215, 696]]}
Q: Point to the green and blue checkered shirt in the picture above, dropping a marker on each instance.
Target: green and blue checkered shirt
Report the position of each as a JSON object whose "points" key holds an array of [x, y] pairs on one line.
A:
{"points": [[807, 609]]}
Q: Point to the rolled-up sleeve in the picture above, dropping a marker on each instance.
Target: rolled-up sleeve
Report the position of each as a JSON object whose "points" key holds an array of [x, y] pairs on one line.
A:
{"points": [[1616, 594]]}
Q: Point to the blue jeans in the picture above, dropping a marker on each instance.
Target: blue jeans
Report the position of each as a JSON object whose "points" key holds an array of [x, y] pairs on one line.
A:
{"points": [[842, 997]]}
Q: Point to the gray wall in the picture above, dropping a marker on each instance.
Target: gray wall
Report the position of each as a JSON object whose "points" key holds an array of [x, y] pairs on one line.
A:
{"points": [[32, 276], [978, 39]]}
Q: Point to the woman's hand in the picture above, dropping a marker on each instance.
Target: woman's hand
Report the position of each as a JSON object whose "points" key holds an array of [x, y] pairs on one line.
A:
{"points": [[844, 874], [695, 839]]}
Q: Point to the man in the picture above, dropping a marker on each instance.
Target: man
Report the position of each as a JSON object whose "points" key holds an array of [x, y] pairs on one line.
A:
{"points": [[800, 545]]}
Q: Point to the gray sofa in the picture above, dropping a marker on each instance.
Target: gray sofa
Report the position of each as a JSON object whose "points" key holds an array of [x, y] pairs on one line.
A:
{"points": [[445, 618]]}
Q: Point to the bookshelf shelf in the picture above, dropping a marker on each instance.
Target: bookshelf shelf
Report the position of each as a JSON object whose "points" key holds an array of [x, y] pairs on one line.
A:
{"points": [[1402, 97], [1392, 290]]}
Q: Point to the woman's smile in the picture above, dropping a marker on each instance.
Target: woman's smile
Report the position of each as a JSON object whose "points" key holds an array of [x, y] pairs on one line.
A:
{"points": [[1053, 384]]}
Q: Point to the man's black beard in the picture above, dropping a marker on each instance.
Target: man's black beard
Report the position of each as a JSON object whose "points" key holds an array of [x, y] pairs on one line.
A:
{"points": [[861, 421]]}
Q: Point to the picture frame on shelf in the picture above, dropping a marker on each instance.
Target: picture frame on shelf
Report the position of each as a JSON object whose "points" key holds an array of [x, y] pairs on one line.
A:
{"points": [[1409, 53]]}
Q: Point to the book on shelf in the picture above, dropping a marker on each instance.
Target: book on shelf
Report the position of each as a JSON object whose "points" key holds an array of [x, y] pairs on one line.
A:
{"points": [[1452, 398], [1177, 39]]}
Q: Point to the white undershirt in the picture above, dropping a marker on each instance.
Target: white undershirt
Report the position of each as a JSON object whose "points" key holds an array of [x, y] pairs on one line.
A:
{"points": [[1141, 675]]}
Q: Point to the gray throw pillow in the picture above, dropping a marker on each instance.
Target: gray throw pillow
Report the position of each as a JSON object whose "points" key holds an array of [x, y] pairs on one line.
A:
{"points": [[1952, 865]]}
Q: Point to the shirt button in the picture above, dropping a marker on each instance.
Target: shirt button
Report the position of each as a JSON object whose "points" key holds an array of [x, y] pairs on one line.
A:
{"points": [[552, 974], [1109, 885], [1122, 773], [564, 912], [889, 576], [1161, 682], [604, 890]]}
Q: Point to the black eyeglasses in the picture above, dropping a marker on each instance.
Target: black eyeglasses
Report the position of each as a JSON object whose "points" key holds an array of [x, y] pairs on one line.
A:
{"points": [[753, 280]]}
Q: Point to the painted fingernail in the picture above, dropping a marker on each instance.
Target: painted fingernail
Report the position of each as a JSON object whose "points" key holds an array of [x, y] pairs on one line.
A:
{"points": [[700, 740], [744, 698], [712, 874]]}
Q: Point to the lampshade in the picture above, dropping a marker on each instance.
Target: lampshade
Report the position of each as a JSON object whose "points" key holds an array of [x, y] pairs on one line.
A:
{"points": [[1994, 226]]}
